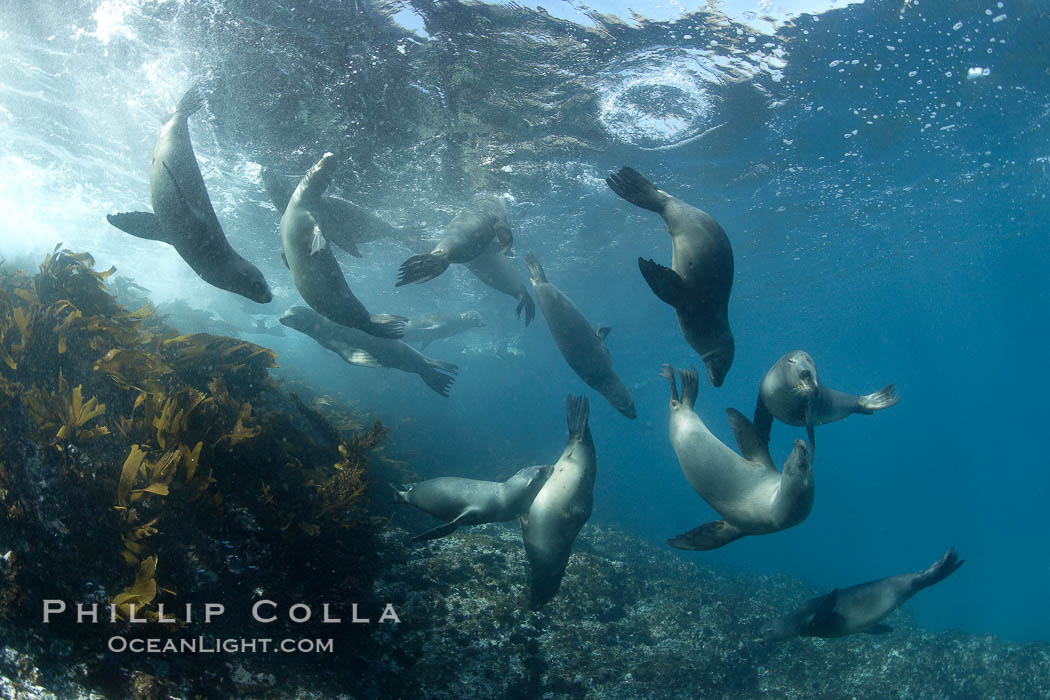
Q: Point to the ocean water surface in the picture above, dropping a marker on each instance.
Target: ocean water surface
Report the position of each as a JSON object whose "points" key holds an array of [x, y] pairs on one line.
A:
{"points": [[881, 170]]}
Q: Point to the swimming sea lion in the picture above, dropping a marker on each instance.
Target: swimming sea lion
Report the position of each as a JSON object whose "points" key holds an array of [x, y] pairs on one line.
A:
{"points": [[581, 344], [438, 325], [314, 269], [561, 507], [748, 492], [791, 393], [494, 268], [183, 215], [859, 608], [465, 238], [700, 278], [365, 350], [464, 502]]}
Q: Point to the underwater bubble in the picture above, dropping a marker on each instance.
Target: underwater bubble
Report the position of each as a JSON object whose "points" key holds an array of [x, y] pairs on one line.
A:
{"points": [[658, 101]]}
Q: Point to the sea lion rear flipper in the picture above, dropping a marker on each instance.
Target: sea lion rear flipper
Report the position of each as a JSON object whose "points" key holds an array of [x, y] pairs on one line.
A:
{"points": [[141, 224], [939, 570], [437, 532], [602, 332], [637, 189], [665, 283], [191, 101], [748, 440], [436, 380], [878, 629], [526, 302], [385, 326], [712, 535], [577, 410], [400, 492], [443, 366], [763, 420]]}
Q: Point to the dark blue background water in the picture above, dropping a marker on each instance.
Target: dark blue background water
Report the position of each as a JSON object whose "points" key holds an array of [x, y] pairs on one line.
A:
{"points": [[888, 215]]}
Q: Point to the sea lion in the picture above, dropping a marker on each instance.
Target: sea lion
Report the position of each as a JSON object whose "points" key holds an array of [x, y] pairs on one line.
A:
{"points": [[183, 215], [581, 344], [344, 223], [859, 608], [791, 393], [465, 238], [748, 492], [438, 325], [463, 502], [700, 278], [561, 507], [365, 350], [314, 269], [494, 268]]}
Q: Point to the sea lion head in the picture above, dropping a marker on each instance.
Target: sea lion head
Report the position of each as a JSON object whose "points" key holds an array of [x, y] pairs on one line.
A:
{"points": [[794, 499], [719, 360], [253, 284], [779, 629], [802, 374], [526, 483]]}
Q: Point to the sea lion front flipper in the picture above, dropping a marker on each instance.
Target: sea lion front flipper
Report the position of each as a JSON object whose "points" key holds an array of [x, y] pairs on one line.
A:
{"points": [[812, 440], [748, 440], [763, 420], [421, 268], [712, 535], [602, 332], [883, 398], [878, 629], [667, 284], [285, 260], [437, 532], [631, 185], [317, 241], [140, 224], [359, 357], [825, 610]]}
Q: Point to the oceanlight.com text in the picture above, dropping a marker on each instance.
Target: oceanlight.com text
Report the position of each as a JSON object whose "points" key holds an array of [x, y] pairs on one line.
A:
{"points": [[205, 645]]}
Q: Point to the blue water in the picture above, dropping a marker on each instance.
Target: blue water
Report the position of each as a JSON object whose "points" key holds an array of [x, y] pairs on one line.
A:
{"points": [[881, 171]]}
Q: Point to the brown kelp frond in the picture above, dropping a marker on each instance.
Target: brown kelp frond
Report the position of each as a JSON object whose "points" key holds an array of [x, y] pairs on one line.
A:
{"points": [[68, 275], [202, 357], [62, 416], [135, 600], [133, 368]]}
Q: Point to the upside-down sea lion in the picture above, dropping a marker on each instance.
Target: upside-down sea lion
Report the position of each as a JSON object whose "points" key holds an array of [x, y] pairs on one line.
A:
{"points": [[561, 507], [438, 325], [183, 215], [365, 350], [581, 344], [748, 492], [791, 393], [463, 502], [314, 269], [465, 238], [700, 278], [860, 608], [494, 268]]}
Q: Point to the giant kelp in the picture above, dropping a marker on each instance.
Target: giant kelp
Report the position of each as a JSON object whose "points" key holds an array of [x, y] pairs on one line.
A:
{"points": [[155, 466]]}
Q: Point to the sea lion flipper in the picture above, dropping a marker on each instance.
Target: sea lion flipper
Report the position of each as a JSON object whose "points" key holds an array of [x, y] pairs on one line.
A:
{"points": [[824, 611], [763, 420], [191, 101], [603, 332], [812, 439], [883, 398], [437, 532], [141, 224], [361, 358], [386, 326], [577, 409], [667, 284], [284, 259], [751, 444], [436, 380], [526, 302], [712, 535], [637, 189], [535, 269], [317, 241], [421, 268]]}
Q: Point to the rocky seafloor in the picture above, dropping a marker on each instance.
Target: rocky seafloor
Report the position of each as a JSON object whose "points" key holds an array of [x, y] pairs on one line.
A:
{"points": [[632, 620]]}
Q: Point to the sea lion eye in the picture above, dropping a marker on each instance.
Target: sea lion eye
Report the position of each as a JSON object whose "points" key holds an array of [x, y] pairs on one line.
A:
{"points": [[805, 374]]}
